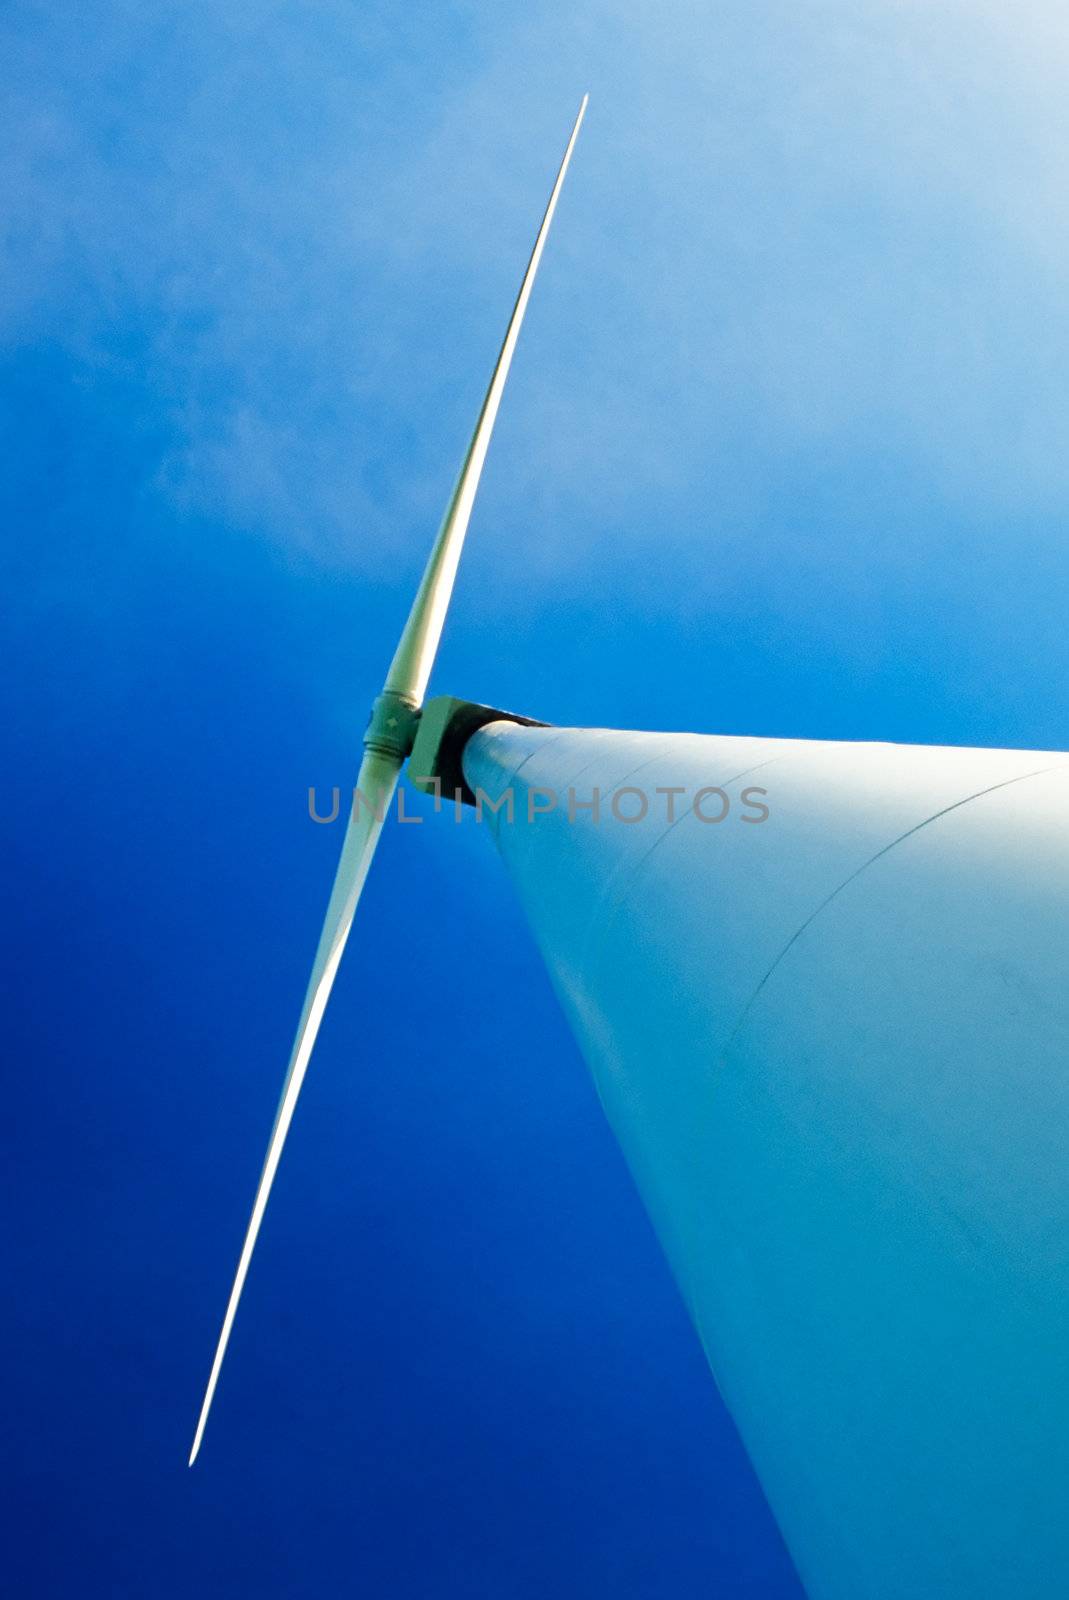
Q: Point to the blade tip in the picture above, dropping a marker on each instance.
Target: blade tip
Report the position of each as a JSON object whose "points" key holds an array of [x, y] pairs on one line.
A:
{"points": [[198, 1437]]}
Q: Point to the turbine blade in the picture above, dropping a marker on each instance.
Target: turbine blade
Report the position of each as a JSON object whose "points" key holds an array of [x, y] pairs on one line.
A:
{"points": [[375, 788], [385, 751], [414, 657]]}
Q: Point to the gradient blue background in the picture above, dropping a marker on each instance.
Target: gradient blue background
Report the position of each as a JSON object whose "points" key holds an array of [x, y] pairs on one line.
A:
{"points": [[784, 452]]}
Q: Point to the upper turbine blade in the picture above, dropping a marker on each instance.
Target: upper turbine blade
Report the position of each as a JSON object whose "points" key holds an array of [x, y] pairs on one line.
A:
{"points": [[414, 657], [387, 743]]}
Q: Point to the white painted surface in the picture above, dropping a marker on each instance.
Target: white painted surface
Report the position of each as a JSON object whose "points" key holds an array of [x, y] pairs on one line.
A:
{"points": [[835, 1049]]}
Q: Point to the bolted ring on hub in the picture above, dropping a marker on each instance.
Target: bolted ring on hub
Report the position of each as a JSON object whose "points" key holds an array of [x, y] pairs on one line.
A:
{"points": [[391, 729]]}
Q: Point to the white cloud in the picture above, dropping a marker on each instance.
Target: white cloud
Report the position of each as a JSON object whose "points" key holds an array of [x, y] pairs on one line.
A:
{"points": [[793, 233]]}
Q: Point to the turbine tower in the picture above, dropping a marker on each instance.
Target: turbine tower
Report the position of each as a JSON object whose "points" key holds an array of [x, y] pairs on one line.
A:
{"points": [[822, 989]]}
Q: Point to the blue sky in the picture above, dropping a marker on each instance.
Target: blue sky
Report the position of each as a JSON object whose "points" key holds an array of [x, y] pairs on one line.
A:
{"points": [[783, 452]]}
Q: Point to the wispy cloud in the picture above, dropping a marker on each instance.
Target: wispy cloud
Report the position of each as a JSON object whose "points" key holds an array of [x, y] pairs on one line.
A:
{"points": [[820, 234]]}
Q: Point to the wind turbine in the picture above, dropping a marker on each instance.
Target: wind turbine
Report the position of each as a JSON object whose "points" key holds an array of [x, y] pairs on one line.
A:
{"points": [[823, 990], [387, 743]]}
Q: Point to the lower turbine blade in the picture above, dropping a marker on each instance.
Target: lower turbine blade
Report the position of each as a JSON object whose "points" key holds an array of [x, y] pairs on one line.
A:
{"points": [[375, 789]]}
